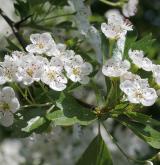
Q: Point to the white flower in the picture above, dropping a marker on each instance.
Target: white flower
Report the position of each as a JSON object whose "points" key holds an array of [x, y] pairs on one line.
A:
{"points": [[117, 26], [138, 91], [137, 56], [42, 43], [8, 70], [53, 76], [115, 67], [18, 55], [78, 70], [31, 68], [9, 104], [156, 73], [130, 8], [65, 55]]}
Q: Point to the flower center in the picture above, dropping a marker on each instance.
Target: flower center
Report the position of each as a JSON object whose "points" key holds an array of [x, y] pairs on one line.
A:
{"points": [[51, 75], [40, 45], [139, 95], [30, 72], [76, 71], [4, 106]]}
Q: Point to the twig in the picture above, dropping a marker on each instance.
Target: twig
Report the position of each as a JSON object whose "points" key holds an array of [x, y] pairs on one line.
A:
{"points": [[17, 24], [14, 29]]}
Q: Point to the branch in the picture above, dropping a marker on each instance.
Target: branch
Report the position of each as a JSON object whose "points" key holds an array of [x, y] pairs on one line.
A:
{"points": [[17, 24], [14, 29]]}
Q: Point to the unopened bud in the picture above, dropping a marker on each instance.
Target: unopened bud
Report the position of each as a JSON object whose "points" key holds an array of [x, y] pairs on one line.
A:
{"points": [[158, 156], [149, 163]]}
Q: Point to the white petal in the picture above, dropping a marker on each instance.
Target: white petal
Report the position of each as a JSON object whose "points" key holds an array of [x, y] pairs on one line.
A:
{"points": [[149, 93], [77, 60], [35, 38], [86, 68], [57, 63], [33, 49], [14, 105], [133, 99], [57, 86], [46, 38], [108, 31], [147, 64], [2, 76], [84, 80], [73, 77], [6, 119], [127, 86], [8, 93]]}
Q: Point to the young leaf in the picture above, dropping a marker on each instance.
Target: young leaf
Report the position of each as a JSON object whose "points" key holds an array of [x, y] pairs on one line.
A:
{"points": [[96, 154], [34, 123]]}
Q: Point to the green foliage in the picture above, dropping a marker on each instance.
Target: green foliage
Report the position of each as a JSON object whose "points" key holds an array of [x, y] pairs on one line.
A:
{"points": [[71, 113], [143, 126], [22, 8], [21, 128], [34, 124], [144, 44], [96, 154]]}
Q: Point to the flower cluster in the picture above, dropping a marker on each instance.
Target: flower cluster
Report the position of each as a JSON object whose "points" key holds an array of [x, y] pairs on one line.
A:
{"points": [[9, 104], [136, 89], [45, 61]]}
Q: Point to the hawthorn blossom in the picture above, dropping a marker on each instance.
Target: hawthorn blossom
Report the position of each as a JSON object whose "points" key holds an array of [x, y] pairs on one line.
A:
{"points": [[115, 67], [138, 91], [137, 57], [116, 27], [78, 70], [130, 8], [53, 76], [31, 68], [42, 43], [9, 70], [156, 73], [9, 104], [65, 55]]}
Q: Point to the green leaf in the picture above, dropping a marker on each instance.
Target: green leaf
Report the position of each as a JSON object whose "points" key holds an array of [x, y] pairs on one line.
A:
{"points": [[143, 129], [147, 133], [22, 8], [71, 112], [12, 45], [96, 154], [34, 123], [60, 119], [19, 128], [143, 119], [144, 44]]}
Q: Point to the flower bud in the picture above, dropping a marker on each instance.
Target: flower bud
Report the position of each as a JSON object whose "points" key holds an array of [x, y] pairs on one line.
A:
{"points": [[158, 156], [149, 163]]}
